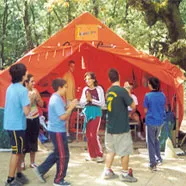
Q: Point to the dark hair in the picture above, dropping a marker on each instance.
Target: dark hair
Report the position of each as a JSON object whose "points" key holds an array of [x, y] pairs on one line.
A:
{"points": [[56, 83], [71, 62], [155, 83], [92, 76], [29, 76], [17, 72], [113, 75]]}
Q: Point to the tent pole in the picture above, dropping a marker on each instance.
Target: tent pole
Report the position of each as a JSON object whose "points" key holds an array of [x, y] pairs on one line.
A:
{"points": [[177, 122]]}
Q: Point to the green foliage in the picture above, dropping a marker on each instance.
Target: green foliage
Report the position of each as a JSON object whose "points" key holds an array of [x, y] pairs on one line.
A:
{"points": [[46, 17]]}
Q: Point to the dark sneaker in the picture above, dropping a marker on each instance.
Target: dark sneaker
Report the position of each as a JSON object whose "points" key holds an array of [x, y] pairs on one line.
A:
{"points": [[109, 174], [69, 139], [22, 179], [153, 168], [39, 175], [159, 162], [62, 183], [128, 177], [13, 183]]}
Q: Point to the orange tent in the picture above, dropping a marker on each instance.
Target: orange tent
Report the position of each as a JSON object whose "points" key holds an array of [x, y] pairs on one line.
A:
{"points": [[94, 47]]}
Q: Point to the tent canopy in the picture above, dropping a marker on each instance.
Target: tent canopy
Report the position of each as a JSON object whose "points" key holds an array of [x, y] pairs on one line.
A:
{"points": [[94, 47]]}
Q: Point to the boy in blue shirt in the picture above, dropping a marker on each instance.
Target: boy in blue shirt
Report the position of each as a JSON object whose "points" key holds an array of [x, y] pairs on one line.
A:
{"points": [[57, 115], [17, 107], [154, 107]]}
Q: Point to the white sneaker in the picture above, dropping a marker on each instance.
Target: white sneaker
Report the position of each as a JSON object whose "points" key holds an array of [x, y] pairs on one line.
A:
{"points": [[88, 158], [100, 159], [140, 136]]}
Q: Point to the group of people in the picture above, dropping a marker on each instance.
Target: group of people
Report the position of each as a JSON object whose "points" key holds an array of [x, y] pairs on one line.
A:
{"points": [[22, 103]]}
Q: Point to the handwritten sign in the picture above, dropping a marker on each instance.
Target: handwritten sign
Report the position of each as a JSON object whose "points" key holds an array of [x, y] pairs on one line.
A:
{"points": [[86, 32]]}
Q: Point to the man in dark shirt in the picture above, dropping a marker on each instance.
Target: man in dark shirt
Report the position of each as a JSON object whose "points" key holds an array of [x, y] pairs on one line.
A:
{"points": [[118, 138]]}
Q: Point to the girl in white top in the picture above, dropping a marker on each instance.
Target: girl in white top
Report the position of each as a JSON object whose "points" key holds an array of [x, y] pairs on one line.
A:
{"points": [[93, 99]]}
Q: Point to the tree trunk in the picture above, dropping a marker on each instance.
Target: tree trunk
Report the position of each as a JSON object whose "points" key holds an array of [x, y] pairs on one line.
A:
{"points": [[49, 25], [58, 18], [30, 44], [69, 11], [96, 8], [168, 12], [35, 32], [4, 24]]}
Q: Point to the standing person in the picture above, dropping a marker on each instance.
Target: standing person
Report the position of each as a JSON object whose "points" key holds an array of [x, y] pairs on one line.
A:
{"points": [[70, 93], [118, 138], [57, 131], [154, 107], [17, 107], [134, 114], [93, 99], [33, 124]]}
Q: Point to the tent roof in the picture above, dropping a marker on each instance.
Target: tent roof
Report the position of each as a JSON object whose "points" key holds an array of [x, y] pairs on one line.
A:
{"points": [[84, 34]]}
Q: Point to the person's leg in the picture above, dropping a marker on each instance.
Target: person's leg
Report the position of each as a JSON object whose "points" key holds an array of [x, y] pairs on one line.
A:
{"points": [[34, 133], [13, 165], [69, 139], [17, 139], [27, 143], [94, 128], [51, 159], [136, 116], [109, 144], [109, 160], [90, 144], [125, 162], [32, 158], [62, 157], [15, 157], [151, 144], [157, 145]]}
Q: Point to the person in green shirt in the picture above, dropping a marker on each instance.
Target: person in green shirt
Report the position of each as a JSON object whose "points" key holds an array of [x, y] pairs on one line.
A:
{"points": [[118, 138]]}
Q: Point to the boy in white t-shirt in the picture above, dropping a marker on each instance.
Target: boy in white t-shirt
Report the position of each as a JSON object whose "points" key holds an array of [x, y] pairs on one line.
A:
{"points": [[134, 114]]}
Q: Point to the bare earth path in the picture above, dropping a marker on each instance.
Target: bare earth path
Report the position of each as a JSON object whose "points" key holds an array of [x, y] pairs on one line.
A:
{"points": [[82, 173]]}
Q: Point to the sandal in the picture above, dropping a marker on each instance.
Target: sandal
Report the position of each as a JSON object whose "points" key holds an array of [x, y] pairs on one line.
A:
{"points": [[33, 165]]}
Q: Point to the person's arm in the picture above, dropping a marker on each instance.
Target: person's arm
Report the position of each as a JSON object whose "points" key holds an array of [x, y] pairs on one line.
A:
{"points": [[128, 99], [133, 106], [39, 100], [83, 100], [101, 96], [71, 106], [26, 110], [145, 104], [145, 110], [25, 102]]}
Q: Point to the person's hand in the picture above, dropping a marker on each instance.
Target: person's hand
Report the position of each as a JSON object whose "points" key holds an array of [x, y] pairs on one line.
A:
{"points": [[32, 96], [127, 87], [88, 96], [73, 104]]}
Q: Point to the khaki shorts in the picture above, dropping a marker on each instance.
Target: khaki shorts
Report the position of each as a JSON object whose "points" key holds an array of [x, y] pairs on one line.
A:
{"points": [[121, 144]]}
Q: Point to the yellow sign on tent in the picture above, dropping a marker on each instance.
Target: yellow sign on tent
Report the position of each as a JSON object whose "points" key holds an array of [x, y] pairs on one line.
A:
{"points": [[86, 32]]}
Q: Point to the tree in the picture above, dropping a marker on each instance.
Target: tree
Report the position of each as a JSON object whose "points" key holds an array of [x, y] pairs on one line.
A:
{"points": [[4, 26], [168, 12]]}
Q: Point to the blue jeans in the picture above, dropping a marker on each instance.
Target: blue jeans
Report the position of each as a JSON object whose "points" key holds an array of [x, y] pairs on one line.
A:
{"points": [[153, 144], [60, 156]]}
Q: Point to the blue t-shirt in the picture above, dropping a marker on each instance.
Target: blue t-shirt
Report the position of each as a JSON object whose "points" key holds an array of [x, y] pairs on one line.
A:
{"points": [[16, 99], [155, 103], [56, 108]]}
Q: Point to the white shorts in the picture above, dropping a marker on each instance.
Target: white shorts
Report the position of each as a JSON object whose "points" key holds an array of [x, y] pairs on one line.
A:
{"points": [[121, 144]]}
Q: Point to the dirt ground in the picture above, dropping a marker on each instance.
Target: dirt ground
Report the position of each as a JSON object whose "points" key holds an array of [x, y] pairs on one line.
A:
{"points": [[82, 173]]}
